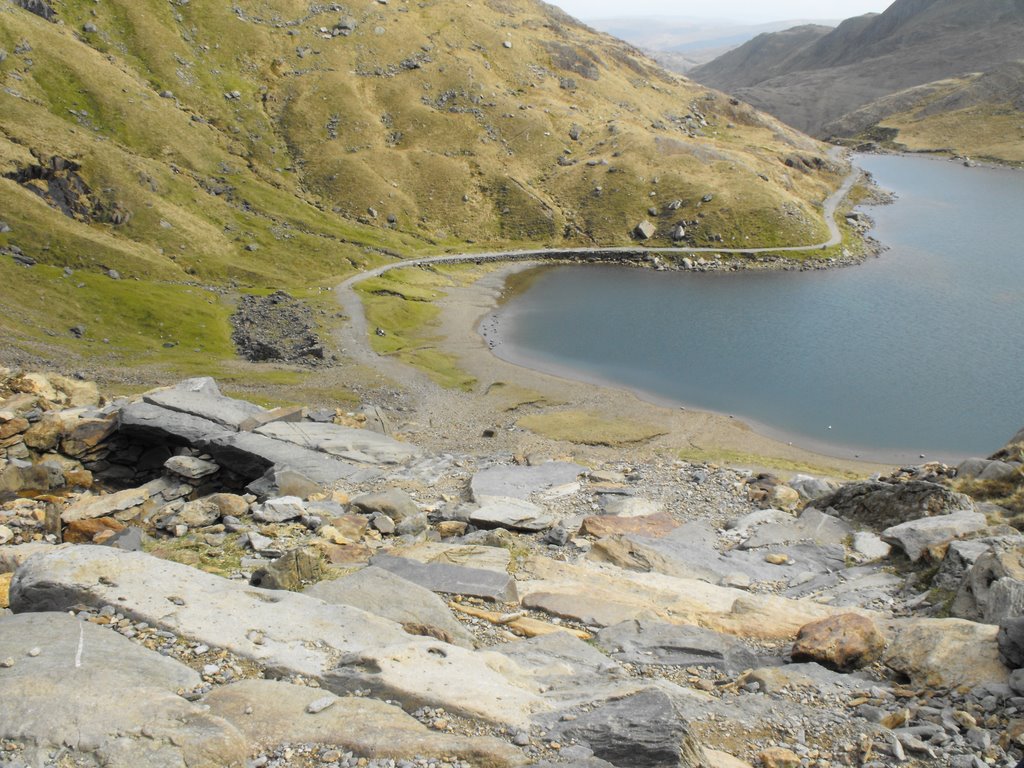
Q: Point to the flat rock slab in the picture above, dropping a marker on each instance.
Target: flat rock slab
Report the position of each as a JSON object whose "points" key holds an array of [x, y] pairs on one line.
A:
{"points": [[601, 595], [289, 633], [917, 536], [812, 526], [522, 482], [248, 454], [94, 691], [570, 671], [344, 648], [341, 441], [389, 596], [271, 714], [154, 493], [489, 558], [202, 397], [689, 552], [628, 506], [513, 514], [650, 526], [452, 579], [653, 642]]}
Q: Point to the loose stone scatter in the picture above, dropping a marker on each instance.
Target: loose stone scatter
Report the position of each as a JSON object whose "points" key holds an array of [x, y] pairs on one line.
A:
{"points": [[191, 579]]}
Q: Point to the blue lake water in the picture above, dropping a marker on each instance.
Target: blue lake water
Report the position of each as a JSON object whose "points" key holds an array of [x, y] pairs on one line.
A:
{"points": [[920, 351]]}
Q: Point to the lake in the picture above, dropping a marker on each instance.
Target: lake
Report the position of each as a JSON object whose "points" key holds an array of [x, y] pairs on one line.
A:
{"points": [[918, 351]]}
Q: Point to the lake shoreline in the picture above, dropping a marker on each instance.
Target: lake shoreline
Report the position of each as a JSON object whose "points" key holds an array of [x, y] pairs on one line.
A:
{"points": [[688, 431]]}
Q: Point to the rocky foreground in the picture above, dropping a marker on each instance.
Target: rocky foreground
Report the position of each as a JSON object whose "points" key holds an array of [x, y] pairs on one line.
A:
{"points": [[194, 580]]}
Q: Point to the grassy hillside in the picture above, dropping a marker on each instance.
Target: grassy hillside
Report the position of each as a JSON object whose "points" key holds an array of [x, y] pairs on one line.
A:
{"points": [[194, 145], [980, 115]]}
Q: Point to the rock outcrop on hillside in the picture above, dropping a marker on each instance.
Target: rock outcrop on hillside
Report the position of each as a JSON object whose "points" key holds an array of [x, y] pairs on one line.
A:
{"points": [[190, 579]]}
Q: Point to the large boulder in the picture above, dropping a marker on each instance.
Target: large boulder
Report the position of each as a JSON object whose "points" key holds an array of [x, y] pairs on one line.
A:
{"points": [[883, 505], [513, 514], [601, 596], [642, 730], [944, 653], [845, 642], [917, 537], [394, 503], [1010, 639], [993, 587]]}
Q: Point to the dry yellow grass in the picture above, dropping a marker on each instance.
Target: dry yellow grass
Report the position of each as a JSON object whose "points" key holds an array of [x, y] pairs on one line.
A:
{"points": [[586, 428]]}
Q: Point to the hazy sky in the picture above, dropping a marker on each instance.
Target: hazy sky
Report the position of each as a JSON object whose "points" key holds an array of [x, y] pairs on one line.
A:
{"points": [[754, 11]]}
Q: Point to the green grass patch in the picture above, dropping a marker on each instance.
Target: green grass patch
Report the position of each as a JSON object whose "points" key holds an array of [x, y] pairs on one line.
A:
{"points": [[589, 428], [511, 397], [192, 550], [728, 457], [129, 321], [400, 304]]}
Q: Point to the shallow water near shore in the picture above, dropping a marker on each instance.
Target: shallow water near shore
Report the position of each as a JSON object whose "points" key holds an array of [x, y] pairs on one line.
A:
{"points": [[920, 351]]}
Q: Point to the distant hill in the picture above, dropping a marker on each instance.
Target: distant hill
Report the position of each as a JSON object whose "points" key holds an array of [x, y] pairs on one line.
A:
{"points": [[681, 43], [275, 143], [813, 78]]}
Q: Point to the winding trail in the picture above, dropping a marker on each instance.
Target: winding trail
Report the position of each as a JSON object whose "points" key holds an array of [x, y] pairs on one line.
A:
{"points": [[353, 337]]}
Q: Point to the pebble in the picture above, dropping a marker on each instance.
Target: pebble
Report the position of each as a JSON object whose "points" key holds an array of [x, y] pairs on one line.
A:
{"points": [[319, 705]]}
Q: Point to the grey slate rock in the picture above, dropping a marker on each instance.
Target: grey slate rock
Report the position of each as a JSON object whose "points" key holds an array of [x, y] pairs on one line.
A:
{"points": [[96, 692], [343, 648], [1011, 642], [279, 510], [514, 514], [247, 454], [251, 455], [273, 714], [916, 536], [190, 467], [396, 504], [341, 441], [812, 488], [452, 579], [642, 730], [202, 397], [812, 525], [389, 596], [652, 642], [130, 539], [521, 482], [38, 7], [884, 505], [689, 552]]}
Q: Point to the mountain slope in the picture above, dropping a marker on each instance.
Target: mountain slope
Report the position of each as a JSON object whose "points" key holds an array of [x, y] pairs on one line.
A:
{"points": [[979, 115], [277, 143], [812, 82]]}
